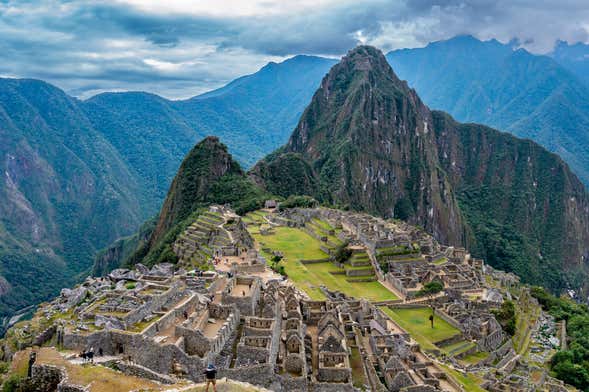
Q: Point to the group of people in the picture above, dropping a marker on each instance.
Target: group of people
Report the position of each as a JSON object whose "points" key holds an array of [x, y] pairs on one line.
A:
{"points": [[88, 356]]}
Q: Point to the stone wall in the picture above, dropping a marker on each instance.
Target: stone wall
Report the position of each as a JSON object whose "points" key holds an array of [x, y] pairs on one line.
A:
{"points": [[156, 303], [46, 377], [332, 387], [246, 305], [140, 371], [44, 336], [334, 374], [255, 374], [65, 387]]}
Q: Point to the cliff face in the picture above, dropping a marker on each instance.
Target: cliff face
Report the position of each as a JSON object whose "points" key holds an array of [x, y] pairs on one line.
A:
{"points": [[528, 211], [367, 142]]}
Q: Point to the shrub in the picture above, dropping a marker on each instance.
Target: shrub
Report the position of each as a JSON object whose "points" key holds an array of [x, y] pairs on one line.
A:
{"points": [[130, 285], [431, 288]]}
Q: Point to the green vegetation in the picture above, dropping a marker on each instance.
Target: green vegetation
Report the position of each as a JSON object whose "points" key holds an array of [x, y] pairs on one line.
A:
{"points": [[130, 286], [475, 358], [552, 110], [469, 382], [570, 365], [416, 322], [342, 253], [431, 288], [208, 175], [490, 203], [506, 317], [298, 201], [358, 378], [297, 245]]}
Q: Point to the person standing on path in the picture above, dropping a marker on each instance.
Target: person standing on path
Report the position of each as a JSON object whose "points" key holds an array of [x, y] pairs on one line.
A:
{"points": [[211, 376]]}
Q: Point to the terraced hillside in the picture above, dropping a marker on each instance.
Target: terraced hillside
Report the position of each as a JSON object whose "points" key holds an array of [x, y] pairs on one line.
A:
{"points": [[306, 259]]}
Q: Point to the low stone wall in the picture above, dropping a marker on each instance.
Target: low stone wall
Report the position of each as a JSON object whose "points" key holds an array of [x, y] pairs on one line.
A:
{"points": [[315, 261], [341, 375], [366, 279], [132, 369], [331, 387], [289, 383], [46, 377], [255, 374], [360, 272], [65, 387], [249, 269], [155, 304], [44, 336]]}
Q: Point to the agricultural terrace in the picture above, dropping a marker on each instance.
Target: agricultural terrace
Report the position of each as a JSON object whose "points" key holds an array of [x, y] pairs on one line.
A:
{"points": [[297, 245]]}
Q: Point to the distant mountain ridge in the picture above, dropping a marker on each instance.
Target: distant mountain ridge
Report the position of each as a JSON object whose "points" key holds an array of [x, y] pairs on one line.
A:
{"points": [[510, 89], [573, 57]]}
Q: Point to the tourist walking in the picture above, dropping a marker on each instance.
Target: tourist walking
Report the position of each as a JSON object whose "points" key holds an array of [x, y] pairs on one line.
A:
{"points": [[211, 376]]}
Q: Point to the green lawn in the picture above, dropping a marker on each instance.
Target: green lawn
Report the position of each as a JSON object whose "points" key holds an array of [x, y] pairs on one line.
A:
{"points": [[469, 382], [416, 322], [297, 245], [458, 347], [475, 358]]}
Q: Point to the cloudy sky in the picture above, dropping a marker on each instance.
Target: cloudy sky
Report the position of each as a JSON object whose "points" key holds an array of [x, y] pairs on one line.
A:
{"points": [[179, 48]]}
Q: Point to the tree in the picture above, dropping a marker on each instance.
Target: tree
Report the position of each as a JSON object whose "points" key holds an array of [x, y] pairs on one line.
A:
{"points": [[342, 253], [431, 288], [506, 317]]}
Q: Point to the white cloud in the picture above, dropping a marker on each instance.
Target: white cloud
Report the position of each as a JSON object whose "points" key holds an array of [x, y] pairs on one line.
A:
{"points": [[179, 48]]}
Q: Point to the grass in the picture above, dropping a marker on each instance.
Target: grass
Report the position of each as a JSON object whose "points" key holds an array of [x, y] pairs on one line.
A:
{"points": [[526, 317], [475, 358], [322, 224], [416, 322], [99, 378], [458, 347], [358, 378], [469, 382], [141, 325], [296, 245]]}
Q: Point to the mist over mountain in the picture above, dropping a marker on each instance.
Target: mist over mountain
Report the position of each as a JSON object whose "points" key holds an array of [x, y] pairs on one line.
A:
{"points": [[574, 57]]}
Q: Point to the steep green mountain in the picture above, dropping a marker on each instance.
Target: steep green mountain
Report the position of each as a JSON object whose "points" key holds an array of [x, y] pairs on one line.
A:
{"points": [[367, 142], [65, 192], [492, 83], [208, 175], [573, 57]]}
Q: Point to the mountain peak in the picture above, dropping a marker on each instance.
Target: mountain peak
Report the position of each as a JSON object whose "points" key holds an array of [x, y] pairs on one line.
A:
{"points": [[366, 58], [207, 162]]}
